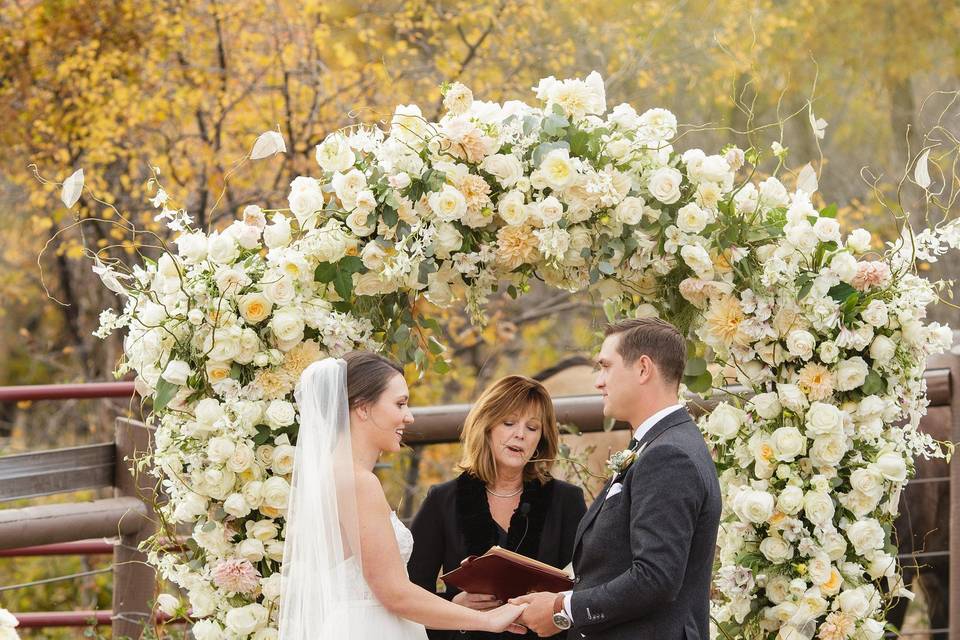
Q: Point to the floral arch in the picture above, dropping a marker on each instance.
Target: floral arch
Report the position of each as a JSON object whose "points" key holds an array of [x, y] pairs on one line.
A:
{"points": [[827, 332]]}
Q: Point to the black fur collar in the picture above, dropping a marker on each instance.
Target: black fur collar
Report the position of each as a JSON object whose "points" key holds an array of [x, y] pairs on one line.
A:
{"points": [[479, 529]]}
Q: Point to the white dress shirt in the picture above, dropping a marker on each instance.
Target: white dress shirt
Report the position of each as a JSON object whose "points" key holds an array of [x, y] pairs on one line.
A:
{"points": [[641, 431]]}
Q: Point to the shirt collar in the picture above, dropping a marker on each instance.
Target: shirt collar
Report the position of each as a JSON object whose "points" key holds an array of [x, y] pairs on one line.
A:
{"points": [[648, 424]]}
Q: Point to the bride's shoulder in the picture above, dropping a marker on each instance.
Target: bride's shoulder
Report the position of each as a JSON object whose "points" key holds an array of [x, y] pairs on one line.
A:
{"points": [[368, 486]]}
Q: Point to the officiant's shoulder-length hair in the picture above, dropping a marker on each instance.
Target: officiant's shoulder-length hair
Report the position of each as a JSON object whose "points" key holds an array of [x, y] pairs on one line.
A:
{"points": [[509, 396]]}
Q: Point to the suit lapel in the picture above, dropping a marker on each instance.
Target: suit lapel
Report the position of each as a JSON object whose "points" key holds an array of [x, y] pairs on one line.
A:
{"points": [[677, 417]]}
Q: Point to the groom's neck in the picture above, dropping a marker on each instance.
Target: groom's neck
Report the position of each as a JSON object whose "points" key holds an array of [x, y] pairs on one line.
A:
{"points": [[652, 403]]}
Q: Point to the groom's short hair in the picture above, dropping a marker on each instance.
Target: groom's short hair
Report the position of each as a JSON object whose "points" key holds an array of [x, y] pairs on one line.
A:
{"points": [[655, 338]]}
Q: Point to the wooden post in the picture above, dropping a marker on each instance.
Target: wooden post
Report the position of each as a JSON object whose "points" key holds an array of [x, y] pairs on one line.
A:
{"points": [[953, 598], [134, 581]]}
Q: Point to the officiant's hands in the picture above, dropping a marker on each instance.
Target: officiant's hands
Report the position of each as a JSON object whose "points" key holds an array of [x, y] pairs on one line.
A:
{"points": [[538, 616], [505, 618], [477, 601]]}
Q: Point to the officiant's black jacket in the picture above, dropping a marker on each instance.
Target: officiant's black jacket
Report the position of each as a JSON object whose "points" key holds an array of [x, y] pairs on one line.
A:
{"points": [[454, 522]]}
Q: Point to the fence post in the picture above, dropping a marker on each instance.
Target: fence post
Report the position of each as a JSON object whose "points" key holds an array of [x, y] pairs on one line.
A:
{"points": [[134, 581], [953, 598]]}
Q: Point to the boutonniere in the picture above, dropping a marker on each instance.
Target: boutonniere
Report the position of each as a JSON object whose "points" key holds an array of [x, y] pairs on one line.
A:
{"points": [[621, 460]]}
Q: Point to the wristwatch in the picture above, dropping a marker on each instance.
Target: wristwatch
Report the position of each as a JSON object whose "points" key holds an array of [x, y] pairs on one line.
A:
{"points": [[560, 619]]}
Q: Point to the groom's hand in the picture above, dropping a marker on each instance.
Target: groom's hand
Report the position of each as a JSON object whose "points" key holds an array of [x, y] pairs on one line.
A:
{"points": [[539, 613]]}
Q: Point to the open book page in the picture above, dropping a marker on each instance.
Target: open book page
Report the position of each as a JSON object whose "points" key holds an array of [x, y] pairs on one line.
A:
{"points": [[522, 559]]}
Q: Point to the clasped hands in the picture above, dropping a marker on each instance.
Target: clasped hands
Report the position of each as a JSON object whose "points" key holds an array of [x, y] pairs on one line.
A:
{"points": [[538, 616]]}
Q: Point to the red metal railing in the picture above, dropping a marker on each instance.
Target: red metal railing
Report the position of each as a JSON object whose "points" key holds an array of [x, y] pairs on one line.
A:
{"points": [[81, 391]]}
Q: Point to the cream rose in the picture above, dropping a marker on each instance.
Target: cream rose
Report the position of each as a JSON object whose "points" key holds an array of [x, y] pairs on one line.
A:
{"points": [[288, 324], [557, 169], [767, 405], [788, 443], [245, 620], [697, 258], [512, 208], [630, 210], [800, 344], [851, 373], [791, 397], [725, 421], [549, 211], [866, 535], [828, 451], [280, 413], [506, 168], [251, 549], [176, 372], [818, 507], [776, 549], [241, 458], [882, 349], [824, 419], [283, 459], [254, 307], [790, 500], [692, 219], [891, 466], [664, 185], [753, 506], [236, 505], [448, 204], [219, 449], [276, 492], [334, 154]]}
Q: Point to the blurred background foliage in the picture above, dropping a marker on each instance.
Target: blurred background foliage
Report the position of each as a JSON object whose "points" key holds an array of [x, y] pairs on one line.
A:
{"points": [[184, 86]]}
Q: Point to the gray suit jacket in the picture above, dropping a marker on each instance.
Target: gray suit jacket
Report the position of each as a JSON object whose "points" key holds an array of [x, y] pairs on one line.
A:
{"points": [[644, 558]]}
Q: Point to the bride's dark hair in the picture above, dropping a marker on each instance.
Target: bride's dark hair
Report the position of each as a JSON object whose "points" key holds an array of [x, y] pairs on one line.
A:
{"points": [[368, 374]]}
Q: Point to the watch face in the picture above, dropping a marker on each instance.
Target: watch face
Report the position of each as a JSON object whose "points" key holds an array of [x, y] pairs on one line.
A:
{"points": [[561, 621]]}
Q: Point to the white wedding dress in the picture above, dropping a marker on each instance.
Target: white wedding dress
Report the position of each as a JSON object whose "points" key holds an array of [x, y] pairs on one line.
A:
{"points": [[366, 618]]}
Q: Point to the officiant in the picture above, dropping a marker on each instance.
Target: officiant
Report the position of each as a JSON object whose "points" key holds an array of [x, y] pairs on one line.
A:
{"points": [[504, 495]]}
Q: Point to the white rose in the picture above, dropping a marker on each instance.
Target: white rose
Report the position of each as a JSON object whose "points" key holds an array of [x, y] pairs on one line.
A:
{"points": [[334, 154], [767, 405], [859, 503], [630, 210], [270, 586], [870, 629], [251, 549], [881, 565], [876, 313], [867, 480], [692, 219], [882, 349], [219, 449], [208, 411], [348, 186], [844, 266], [851, 373], [791, 397], [280, 413], [241, 459], [254, 307], [725, 421], [262, 530], [176, 372], [818, 507], [776, 549], [549, 211], [827, 230], [914, 333], [829, 352], [824, 419], [664, 185], [865, 535], [800, 344], [245, 620], [283, 459], [305, 199], [202, 599], [253, 493], [506, 168], [778, 588], [697, 258], [447, 239], [192, 247], [753, 506], [512, 208], [828, 451], [223, 248], [409, 125], [788, 443], [276, 492], [835, 545], [190, 507], [288, 324], [207, 629], [168, 603], [279, 233], [448, 204], [236, 505], [859, 240], [790, 500], [891, 466], [557, 169]]}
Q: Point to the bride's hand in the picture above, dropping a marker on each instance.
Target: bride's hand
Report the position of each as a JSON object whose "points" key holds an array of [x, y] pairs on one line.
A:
{"points": [[477, 601], [504, 619]]}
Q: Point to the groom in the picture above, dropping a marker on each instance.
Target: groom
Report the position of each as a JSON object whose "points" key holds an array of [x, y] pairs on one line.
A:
{"points": [[643, 553]]}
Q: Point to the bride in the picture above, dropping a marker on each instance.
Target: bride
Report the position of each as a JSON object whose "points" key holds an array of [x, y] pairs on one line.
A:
{"points": [[345, 553]]}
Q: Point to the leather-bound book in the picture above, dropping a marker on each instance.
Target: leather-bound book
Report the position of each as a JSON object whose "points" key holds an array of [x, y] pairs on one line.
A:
{"points": [[506, 575]]}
